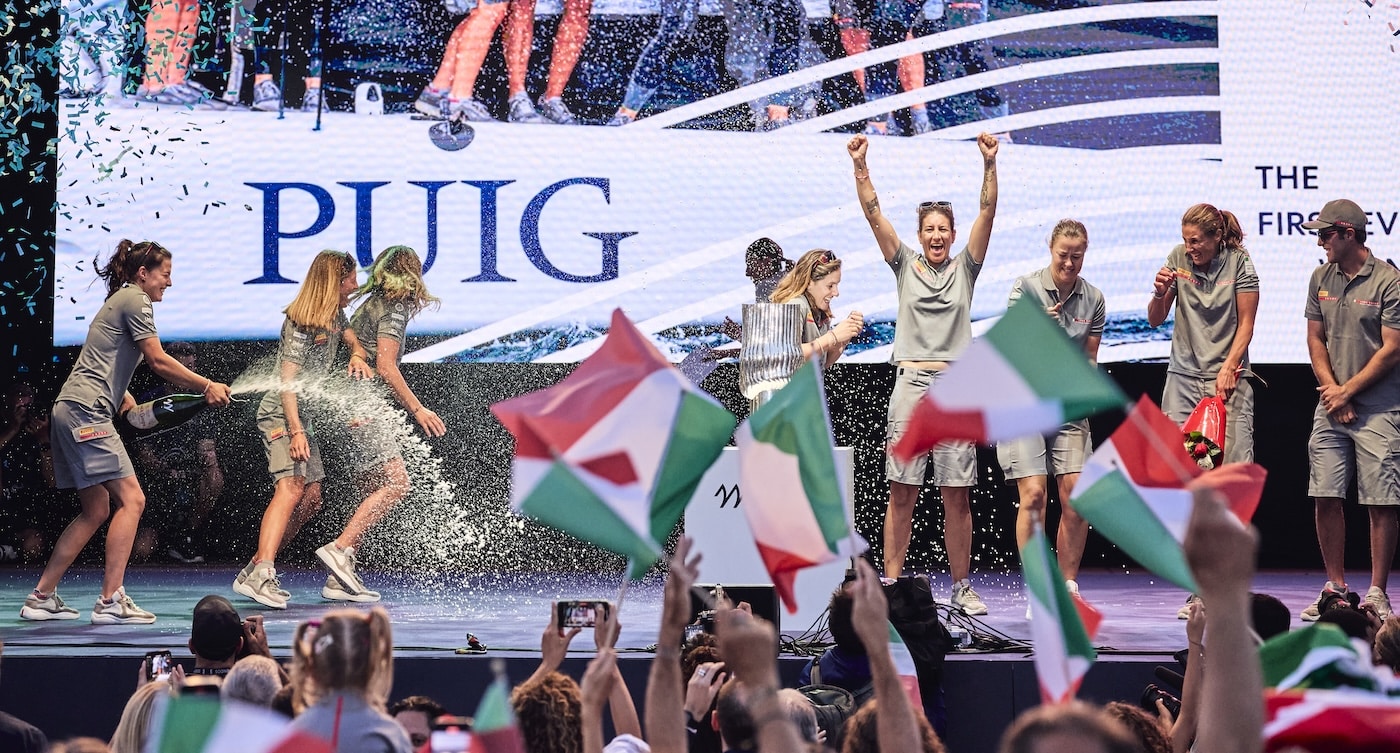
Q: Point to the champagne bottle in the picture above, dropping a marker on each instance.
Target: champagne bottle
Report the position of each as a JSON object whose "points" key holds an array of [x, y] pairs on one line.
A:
{"points": [[165, 412]]}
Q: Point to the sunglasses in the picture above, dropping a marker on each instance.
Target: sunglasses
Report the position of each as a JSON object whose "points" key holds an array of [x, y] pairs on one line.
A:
{"points": [[1328, 232], [927, 205], [827, 258]]}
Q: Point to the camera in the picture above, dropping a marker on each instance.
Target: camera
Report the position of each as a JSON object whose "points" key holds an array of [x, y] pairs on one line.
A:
{"points": [[1153, 693], [580, 613], [451, 734], [1338, 600], [158, 664]]}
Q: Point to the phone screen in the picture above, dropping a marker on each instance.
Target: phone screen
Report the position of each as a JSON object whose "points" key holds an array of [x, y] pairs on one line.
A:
{"points": [[579, 614], [158, 665], [450, 741]]}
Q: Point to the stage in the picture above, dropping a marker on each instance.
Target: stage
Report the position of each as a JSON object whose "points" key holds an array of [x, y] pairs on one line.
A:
{"points": [[72, 678]]}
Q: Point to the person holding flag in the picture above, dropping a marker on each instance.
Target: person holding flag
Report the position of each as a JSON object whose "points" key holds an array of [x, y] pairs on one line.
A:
{"points": [[932, 328], [1079, 309]]}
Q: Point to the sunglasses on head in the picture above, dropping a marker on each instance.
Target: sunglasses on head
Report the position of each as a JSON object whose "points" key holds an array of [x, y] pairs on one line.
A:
{"points": [[827, 258], [927, 205]]}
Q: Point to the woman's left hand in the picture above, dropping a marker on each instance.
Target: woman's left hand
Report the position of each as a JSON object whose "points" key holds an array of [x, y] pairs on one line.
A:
{"points": [[359, 368], [1226, 381]]}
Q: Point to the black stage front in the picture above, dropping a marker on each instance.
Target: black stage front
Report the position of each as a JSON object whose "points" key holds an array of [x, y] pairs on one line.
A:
{"points": [[72, 678]]}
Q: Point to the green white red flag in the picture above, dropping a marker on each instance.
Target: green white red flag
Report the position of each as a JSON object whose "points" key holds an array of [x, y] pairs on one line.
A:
{"points": [[1023, 377], [494, 729], [613, 452], [1136, 490], [201, 724], [1062, 627], [793, 496]]}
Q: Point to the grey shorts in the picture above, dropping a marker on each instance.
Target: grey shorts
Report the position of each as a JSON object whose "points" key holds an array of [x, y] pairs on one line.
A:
{"points": [[954, 463], [373, 440], [1367, 448], [1028, 456], [1181, 395], [85, 447], [277, 443]]}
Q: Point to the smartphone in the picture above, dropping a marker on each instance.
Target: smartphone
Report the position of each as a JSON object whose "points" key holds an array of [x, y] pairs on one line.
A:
{"points": [[451, 734], [581, 613], [158, 665]]}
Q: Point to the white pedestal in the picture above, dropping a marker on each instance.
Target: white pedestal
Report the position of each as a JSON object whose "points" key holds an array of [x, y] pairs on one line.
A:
{"points": [[715, 521]]}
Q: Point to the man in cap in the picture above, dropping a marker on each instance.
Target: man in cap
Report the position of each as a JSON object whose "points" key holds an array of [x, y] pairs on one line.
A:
{"points": [[1353, 313], [219, 637]]}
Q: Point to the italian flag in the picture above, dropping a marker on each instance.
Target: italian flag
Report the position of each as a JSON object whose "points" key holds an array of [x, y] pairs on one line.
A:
{"points": [[1023, 377], [792, 493], [493, 728], [1061, 626], [1136, 490], [1321, 656], [201, 724], [1331, 721], [613, 453], [904, 667]]}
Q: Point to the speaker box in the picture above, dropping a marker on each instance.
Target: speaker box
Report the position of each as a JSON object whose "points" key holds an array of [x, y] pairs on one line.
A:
{"points": [[762, 598]]}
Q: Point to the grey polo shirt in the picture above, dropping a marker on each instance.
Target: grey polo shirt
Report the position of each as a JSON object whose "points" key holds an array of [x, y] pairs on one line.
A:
{"points": [[1083, 313], [379, 317], [934, 319], [110, 354], [810, 329], [1352, 313], [1206, 312], [312, 348]]}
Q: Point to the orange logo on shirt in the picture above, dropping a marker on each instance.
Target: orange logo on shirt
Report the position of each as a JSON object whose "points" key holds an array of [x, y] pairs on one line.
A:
{"points": [[85, 433], [321, 339], [276, 434]]}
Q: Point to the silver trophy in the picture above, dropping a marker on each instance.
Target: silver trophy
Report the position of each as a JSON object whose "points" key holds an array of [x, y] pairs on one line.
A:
{"points": [[771, 351]]}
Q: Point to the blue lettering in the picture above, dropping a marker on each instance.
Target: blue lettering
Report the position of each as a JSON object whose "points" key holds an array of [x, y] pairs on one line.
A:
{"points": [[530, 234], [433, 187], [364, 213], [488, 231], [272, 231]]}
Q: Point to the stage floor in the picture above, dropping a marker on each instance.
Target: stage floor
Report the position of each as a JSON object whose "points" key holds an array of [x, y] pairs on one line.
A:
{"points": [[508, 612]]}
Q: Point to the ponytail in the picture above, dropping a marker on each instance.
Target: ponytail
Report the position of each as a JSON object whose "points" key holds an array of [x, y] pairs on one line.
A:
{"points": [[127, 261]]}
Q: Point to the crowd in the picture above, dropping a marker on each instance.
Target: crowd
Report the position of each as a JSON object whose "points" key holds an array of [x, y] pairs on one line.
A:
{"points": [[198, 55], [721, 691]]}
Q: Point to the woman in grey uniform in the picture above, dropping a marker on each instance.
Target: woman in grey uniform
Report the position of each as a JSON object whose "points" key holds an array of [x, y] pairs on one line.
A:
{"points": [[932, 328], [812, 284], [87, 453], [1079, 309], [314, 327], [1211, 280]]}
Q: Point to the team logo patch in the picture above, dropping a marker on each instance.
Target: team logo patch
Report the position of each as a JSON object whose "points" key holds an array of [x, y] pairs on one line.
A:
{"points": [[87, 433], [276, 434], [1078, 320], [399, 317], [1373, 304], [321, 338]]}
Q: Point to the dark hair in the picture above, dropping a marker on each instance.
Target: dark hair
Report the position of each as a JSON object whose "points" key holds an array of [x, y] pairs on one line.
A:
{"points": [[422, 703], [1268, 615], [862, 734], [735, 722], [698, 654], [1075, 718], [935, 207], [549, 710], [843, 631], [1142, 725], [180, 348], [1352, 622], [127, 261]]}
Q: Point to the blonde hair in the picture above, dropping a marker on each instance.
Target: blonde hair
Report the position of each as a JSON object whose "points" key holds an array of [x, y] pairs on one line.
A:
{"points": [[135, 724], [814, 265], [346, 651], [319, 296], [397, 274], [1216, 223]]}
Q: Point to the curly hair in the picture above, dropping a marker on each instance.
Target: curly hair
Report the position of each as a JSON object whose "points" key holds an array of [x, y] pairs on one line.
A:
{"points": [[549, 711], [1142, 725], [698, 654], [1387, 644], [861, 735]]}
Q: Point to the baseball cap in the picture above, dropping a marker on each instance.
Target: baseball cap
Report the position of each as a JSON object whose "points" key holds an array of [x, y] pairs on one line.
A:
{"points": [[1338, 213], [216, 629]]}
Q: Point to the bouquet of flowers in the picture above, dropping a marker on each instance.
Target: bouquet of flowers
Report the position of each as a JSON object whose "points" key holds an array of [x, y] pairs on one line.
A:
{"points": [[1204, 432]]}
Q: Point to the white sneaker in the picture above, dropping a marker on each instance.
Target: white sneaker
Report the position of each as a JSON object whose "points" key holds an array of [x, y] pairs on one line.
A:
{"points": [[120, 610], [521, 111], [341, 563], [311, 100], [470, 109], [259, 582], [1379, 601], [49, 608], [967, 600], [266, 96], [555, 111], [334, 590], [1311, 613]]}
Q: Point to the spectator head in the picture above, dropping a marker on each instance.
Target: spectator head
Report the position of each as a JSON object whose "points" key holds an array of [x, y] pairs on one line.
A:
{"points": [[1072, 726], [800, 711], [216, 633], [183, 352], [764, 259], [1387, 645], [549, 711], [254, 679], [346, 651], [1268, 615], [1352, 622], [135, 723], [697, 655], [20, 393], [732, 719], [416, 714], [1144, 726], [80, 745], [861, 735], [282, 702], [843, 632]]}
